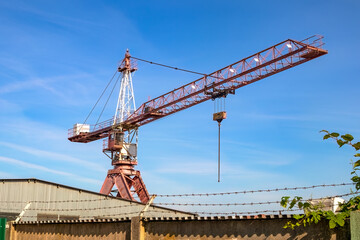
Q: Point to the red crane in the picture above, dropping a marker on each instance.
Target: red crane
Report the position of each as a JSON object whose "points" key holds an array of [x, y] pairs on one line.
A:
{"points": [[275, 59]]}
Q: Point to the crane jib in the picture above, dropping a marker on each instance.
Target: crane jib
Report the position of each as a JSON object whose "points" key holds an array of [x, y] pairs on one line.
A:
{"points": [[268, 62]]}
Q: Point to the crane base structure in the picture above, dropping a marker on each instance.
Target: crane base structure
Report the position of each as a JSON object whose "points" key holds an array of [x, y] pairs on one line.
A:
{"points": [[121, 145], [125, 178]]}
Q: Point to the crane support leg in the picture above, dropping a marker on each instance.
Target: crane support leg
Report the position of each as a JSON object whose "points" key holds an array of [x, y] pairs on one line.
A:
{"points": [[107, 185], [123, 187], [140, 188], [125, 180]]}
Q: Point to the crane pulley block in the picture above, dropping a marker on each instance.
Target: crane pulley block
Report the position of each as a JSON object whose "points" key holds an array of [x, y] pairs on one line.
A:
{"points": [[219, 116], [218, 93]]}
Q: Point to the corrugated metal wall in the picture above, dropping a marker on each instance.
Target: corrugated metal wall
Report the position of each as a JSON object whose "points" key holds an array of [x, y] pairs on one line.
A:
{"points": [[53, 201]]}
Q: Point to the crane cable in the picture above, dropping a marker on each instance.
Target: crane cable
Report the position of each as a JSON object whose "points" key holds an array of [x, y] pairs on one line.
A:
{"points": [[139, 59], [175, 68], [99, 98], [198, 73], [107, 100]]}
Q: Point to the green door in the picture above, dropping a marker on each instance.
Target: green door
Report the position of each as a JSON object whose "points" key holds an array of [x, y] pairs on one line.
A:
{"points": [[2, 228]]}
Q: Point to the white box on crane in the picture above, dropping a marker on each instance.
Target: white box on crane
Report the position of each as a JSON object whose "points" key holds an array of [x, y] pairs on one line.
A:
{"points": [[129, 149], [81, 128]]}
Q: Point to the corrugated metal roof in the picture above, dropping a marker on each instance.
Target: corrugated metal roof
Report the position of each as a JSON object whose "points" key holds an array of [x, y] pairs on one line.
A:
{"points": [[217, 218], [34, 180], [192, 218], [57, 201]]}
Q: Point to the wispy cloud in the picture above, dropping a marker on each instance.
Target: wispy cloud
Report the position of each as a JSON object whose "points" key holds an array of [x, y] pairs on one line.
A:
{"points": [[6, 175], [55, 155], [55, 86], [15, 66], [51, 17], [20, 163], [189, 167], [294, 117], [28, 165], [270, 157], [9, 107], [22, 85], [198, 166], [32, 129]]}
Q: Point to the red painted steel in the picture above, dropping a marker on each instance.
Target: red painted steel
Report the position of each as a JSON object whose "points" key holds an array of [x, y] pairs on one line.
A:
{"points": [[268, 62], [124, 182], [123, 187], [107, 185]]}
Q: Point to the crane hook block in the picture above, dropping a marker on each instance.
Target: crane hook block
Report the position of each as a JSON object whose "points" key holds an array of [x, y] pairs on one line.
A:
{"points": [[219, 116]]}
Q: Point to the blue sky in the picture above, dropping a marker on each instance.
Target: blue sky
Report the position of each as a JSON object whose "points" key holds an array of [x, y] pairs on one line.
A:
{"points": [[57, 56]]}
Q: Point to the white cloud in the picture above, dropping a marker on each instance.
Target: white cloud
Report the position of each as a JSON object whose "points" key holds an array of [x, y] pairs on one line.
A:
{"points": [[16, 66], [19, 86], [9, 107], [23, 164], [51, 17], [63, 88], [55, 155], [198, 166], [6, 175], [264, 116], [32, 129], [31, 165], [189, 167]]}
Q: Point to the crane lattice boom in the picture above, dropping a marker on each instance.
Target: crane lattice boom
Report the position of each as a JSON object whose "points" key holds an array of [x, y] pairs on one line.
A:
{"points": [[270, 61]]}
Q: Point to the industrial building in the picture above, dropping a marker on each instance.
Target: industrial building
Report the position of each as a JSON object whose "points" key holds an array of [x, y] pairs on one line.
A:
{"points": [[38, 200]]}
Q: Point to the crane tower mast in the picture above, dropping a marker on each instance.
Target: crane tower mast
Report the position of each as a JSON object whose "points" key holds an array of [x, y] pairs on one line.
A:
{"points": [[121, 131]]}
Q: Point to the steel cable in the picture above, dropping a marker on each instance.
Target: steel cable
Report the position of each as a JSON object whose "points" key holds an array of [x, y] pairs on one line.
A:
{"points": [[252, 191], [100, 97], [112, 90]]}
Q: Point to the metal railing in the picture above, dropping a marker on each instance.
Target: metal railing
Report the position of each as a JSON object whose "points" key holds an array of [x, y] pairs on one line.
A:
{"points": [[93, 128], [314, 41]]}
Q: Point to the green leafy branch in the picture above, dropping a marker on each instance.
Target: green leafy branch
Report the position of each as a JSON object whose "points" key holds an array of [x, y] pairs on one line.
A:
{"points": [[313, 213], [347, 139]]}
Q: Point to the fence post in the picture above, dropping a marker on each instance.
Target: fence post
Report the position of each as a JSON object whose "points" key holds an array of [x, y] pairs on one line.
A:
{"points": [[2, 228], [137, 229], [355, 225]]}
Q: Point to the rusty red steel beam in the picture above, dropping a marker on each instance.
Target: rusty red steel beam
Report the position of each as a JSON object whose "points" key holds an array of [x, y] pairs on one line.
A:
{"points": [[268, 62]]}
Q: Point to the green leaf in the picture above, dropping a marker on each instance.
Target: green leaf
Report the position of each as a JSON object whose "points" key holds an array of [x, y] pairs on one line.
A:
{"points": [[330, 215], [334, 134], [292, 203], [355, 179], [284, 201], [347, 137], [306, 205], [326, 136], [340, 142], [356, 164], [340, 219], [313, 213], [356, 146], [332, 224]]}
